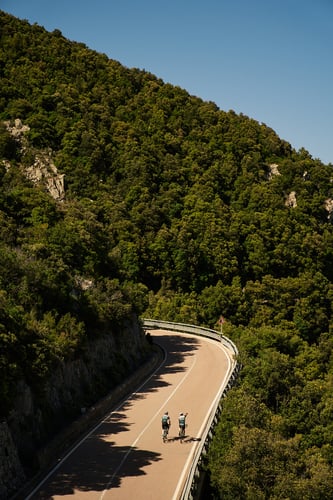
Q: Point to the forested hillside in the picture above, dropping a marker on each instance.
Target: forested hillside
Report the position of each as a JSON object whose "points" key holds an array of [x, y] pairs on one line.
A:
{"points": [[172, 209]]}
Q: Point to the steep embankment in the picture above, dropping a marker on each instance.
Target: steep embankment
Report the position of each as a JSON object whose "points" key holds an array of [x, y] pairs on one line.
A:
{"points": [[38, 418]]}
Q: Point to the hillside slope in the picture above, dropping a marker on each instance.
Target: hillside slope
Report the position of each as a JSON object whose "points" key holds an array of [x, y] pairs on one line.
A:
{"points": [[124, 196]]}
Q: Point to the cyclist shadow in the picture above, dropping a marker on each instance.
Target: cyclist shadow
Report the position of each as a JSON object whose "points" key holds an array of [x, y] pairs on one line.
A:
{"points": [[184, 439]]}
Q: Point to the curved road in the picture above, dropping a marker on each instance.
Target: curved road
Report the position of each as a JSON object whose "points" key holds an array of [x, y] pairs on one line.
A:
{"points": [[124, 457]]}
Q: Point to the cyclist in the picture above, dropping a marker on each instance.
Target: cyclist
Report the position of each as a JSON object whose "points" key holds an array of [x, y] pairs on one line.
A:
{"points": [[166, 422], [182, 423]]}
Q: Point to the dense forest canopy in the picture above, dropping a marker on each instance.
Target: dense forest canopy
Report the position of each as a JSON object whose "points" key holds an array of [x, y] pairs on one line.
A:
{"points": [[177, 210]]}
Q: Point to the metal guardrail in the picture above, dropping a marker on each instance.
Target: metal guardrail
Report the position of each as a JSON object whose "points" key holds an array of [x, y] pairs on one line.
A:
{"points": [[191, 484], [186, 328]]}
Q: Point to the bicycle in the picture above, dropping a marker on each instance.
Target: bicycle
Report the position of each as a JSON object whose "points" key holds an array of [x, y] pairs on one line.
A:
{"points": [[181, 433], [182, 425], [165, 434]]}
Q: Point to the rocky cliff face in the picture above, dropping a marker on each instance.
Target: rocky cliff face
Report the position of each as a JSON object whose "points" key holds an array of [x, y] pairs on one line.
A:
{"points": [[328, 204], [42, 170], [38, 416]]}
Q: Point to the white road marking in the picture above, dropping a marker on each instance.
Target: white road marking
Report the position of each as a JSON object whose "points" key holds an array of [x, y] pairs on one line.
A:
{"points": [[145, 428], [190, 457], [59, 464], [180, 483]]}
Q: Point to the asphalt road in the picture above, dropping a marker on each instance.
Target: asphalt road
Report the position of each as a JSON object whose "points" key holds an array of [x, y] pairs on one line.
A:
{"points": [[124, 456]]}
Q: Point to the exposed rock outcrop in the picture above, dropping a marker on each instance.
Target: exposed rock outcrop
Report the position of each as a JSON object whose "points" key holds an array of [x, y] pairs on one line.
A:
{"points": [[273, 169], [328, 204], [291, 200], [18, 130], [43, 170]]}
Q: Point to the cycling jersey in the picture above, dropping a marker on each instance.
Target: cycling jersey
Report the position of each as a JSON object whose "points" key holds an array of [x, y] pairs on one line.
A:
{"points": [[165, 421], [182, 421]]}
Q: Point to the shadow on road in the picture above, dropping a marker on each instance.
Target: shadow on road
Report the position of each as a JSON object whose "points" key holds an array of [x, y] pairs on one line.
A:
{"points": [[105, 464], [186, 439], [177, 349], [98, 467]]}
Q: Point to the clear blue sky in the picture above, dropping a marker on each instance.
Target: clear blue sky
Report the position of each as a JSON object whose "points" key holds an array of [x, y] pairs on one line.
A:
{"points": [[270, 60]]}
